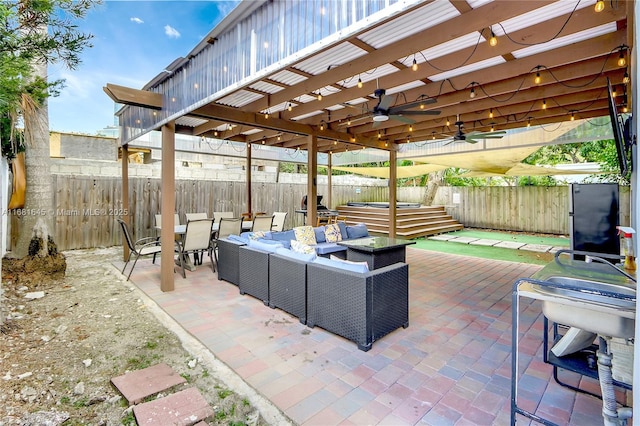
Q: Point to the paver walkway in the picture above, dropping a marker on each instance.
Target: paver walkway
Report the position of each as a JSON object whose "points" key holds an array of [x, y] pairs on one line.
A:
{"points": [[451, 366], [542, 248]]}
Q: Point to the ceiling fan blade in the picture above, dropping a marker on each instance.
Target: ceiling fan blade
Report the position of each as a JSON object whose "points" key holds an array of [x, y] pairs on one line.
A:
{"points": [[469, 139], [410, 105], [402, 119], [430, 112], [385, 101], [377, 124]]}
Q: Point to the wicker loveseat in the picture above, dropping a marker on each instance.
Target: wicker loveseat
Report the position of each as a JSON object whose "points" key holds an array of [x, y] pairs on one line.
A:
{"points": [[341, 297]]}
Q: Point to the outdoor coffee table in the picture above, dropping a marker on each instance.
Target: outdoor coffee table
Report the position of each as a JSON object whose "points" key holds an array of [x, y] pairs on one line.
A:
{"points": [[378, 252]]}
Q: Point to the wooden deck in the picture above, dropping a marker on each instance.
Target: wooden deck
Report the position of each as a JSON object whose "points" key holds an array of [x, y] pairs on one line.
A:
{"points": [[410, 222]]}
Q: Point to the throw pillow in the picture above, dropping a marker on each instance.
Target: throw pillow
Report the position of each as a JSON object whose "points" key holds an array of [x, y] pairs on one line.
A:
{"points": [[332, 233], [256, 235], [305, 235], [299, 247]]}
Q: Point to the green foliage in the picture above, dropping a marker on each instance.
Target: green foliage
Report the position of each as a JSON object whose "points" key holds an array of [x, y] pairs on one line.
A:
{"points": [[24, 43], [452, 178], [536, 181]]}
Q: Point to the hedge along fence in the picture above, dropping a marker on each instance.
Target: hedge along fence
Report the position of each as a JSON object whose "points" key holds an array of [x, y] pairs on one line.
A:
{"points": [[86, 208]]}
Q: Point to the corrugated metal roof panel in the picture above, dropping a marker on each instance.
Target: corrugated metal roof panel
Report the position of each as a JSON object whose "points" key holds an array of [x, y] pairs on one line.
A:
{"points": [[407, 86], [477, 3], [443, 49], [411, 23], [190, 121], [287, 77], [310, 114], [564, 41], [468, 68], [266, 87], [537, 16], [252, 132], [239, 98], [337, 55]]}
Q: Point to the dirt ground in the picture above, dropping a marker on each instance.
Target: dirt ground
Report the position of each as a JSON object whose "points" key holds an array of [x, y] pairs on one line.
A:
{"points": [[60, 348]]}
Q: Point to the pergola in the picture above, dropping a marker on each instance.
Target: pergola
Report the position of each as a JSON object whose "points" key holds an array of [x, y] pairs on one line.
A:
{"points": [[336, 76]]}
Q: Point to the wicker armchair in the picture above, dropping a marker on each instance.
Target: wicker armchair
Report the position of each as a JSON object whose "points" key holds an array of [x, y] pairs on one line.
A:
{"points": [[229, 260], [362, 307], [254, 273], [288, 285]]}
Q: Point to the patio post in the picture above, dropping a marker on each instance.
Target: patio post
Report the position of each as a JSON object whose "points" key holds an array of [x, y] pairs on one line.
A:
{"points": [[393, 177], [168, 206], [312, 182], [329, 187], [249, 208], [125, 197]]}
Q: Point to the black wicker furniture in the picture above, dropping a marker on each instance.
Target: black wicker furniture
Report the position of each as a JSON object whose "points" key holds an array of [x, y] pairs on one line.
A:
{"points": [[362, 307], [229, 260], [288, 284], [254, 273], [378, 252]]}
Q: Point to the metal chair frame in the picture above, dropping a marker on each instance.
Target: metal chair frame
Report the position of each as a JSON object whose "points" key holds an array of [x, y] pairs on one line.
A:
{"points": [[143, 247], [197, 239]]}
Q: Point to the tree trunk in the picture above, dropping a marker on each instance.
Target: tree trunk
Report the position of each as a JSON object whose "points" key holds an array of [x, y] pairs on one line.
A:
{"points": [[38, 197], [433, 183]]}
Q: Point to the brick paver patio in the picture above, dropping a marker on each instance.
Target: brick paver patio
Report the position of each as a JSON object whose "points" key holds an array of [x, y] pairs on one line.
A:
{"points": [[452, 366]]}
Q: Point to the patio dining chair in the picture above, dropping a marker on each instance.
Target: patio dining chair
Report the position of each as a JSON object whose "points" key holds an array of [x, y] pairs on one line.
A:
{"points": [[219, 215], [197, 256], [143, 247], [262, 223], [278, 221], [197, 238], [228, 226]]}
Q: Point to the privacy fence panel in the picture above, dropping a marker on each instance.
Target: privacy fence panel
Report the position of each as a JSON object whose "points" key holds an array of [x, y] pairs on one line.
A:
{"points": [[86, 208]]}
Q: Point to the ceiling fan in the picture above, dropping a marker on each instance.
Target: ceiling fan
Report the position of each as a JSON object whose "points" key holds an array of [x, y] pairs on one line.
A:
{"points": [[473, 137], [383, 110]]}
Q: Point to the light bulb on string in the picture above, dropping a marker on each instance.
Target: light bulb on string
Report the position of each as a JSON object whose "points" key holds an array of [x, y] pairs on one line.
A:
{"points": [[622, 61], [472, 94], [414, 67], [625, 78], [544, 104], [599, 6], [359, 83], [491, 113], [493, 40]]}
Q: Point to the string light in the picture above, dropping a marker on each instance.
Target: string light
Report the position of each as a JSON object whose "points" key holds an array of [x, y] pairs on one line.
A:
{"points": [[386, 144], [472, 94], [335, 142], [349, 122], [266, 115], [379, 135], [544, 104], [263, 142], [448, 122], [537, 79], [614, 93], [572, 116], [359, 83], [529, 122], [408, 138], [289, 107], [414, 67], [321, 125], [491, 113], [410, 128], [215, 133], [433, 135], [319, 96], [492, 128], [625, 78], [599, 6], [622, 62], [493, 40]]}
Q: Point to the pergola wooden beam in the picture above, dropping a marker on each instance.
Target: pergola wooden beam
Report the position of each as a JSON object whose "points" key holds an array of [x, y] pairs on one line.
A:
{"points": [[128, 96]]}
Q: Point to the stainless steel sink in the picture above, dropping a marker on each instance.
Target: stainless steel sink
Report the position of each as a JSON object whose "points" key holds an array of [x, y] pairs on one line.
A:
{"points": [[585, 304]]}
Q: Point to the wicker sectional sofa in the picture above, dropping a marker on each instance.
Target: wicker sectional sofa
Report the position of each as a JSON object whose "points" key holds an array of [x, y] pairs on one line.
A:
{"points": [[341, 297]]}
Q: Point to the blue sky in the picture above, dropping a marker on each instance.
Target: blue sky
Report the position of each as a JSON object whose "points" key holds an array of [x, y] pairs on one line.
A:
{"points": [[133, 41]]}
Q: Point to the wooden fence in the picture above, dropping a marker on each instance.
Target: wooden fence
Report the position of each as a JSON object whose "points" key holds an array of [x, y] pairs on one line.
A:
{"points": [[86, 208]]}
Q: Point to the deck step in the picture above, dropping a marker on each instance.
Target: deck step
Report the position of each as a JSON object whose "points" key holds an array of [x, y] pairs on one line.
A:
{"points": [[410, 222]]}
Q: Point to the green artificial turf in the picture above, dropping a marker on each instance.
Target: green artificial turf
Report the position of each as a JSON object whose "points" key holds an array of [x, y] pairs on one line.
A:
{"points": [[496, 253]]}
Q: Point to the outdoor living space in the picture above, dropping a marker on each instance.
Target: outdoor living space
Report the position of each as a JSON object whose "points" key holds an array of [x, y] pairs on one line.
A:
{"points": [[452, 365]]}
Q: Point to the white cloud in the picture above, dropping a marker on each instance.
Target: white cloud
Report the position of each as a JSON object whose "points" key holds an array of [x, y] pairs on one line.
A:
{"points": [[171, 32], [137, 20]]}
